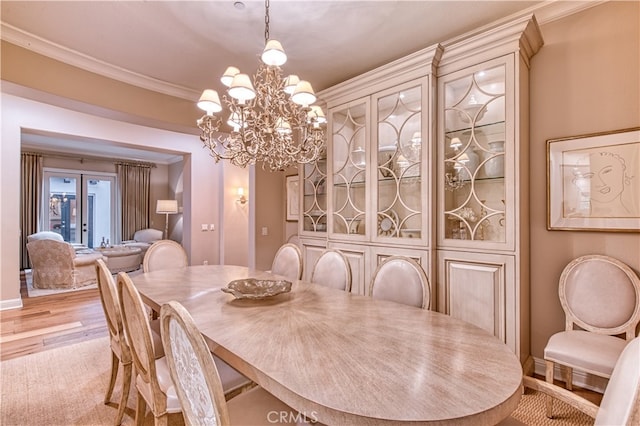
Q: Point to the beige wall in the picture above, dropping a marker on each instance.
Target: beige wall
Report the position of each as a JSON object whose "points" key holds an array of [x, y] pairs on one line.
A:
{"points": [[585, 79]]}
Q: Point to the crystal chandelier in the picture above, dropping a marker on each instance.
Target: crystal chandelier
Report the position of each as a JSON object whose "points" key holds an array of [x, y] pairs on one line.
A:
{"points": [[272, 120]]}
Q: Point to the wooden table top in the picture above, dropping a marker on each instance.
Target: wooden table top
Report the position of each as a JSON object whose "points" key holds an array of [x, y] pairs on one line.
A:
{"points": [[344, 359]]}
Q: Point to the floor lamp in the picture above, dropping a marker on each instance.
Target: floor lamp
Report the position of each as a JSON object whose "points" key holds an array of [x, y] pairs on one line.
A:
{"points": [[167, 207]]}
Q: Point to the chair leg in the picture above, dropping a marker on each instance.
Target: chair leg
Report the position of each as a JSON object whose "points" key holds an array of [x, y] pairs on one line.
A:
{"points": [[115, 362], [567, 375], [126, 386], [162, 420], [549, 379], [141, 406]]}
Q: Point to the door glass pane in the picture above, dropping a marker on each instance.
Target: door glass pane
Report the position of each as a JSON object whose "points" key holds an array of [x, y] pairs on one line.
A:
{"points": [[474, 156], [97, 223], [63, 208]]}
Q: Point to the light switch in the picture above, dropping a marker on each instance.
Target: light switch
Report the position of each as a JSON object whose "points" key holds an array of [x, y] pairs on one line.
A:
{"points": [[265, 231], [204, 227], [212, 227]]}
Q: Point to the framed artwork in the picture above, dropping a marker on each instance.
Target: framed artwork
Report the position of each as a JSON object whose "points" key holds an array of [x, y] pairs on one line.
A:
{"points": [[292, 192], [593, 182]]}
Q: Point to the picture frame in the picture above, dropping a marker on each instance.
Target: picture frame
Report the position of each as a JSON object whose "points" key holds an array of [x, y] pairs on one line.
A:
{"points": [[292, 198], [593, 182]]}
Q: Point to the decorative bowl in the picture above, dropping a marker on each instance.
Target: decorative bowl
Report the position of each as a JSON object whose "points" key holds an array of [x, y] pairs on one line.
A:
{"points": [[252, 288]]}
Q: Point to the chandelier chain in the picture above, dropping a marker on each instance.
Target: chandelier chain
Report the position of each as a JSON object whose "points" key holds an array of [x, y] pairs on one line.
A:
{"points": [[266, 21]]}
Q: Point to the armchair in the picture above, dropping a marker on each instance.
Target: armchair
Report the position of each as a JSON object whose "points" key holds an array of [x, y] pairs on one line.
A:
{"points": [[143, 239], [56, 265]]}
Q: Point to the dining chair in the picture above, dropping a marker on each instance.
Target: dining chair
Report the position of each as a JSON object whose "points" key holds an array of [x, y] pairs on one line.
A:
{"points": [[620, 403], [332, 269], [401, 279], [164, 254], [600, 297], [120, 351], [288, 262], [197, 382], [152, 379]]}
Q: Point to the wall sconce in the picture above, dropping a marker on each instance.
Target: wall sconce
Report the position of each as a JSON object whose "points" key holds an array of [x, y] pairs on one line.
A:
{"points": [[241, 198], [167, 207]]}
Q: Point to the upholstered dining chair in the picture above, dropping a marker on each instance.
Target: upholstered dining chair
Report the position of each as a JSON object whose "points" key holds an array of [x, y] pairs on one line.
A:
{"points": [[288, 262], [401, 279], [197, 382], [164, 254], [152, 379], [120, 351], [600, 297], [332, 269], [620, 403]]}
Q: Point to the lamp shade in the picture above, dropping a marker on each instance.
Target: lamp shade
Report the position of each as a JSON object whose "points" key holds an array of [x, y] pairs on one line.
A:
{"points": [[290, 84], [210, 102], [303, 95], [167, 206], [273, 53], [241, 88], [227, 77]]}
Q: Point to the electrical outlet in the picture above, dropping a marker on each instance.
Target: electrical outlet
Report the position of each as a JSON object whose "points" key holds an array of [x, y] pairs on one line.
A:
{"points": [[265, 231]]}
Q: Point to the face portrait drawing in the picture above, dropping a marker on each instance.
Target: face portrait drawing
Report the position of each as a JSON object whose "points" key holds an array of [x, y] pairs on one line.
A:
{"points": [[602, 186]]}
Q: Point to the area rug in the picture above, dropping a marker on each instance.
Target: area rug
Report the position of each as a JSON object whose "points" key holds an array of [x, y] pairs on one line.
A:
{"points": [[66, 385]]}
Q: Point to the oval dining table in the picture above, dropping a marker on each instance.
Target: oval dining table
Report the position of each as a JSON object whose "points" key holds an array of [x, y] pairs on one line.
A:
{"points": [[346, 359]]}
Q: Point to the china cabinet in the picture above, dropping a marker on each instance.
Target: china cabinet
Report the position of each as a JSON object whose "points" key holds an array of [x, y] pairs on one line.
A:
{"points": [[428, 157], [375, 193], [482, 180]]}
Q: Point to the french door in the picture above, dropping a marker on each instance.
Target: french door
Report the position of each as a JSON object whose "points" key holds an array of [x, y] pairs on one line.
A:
{"points": [[80, 206]]}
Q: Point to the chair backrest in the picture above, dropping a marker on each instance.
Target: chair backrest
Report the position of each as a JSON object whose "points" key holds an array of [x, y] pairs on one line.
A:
{"points": [[288, 262], [192, 368], [45, 235], [136, 324], [111, 307], [52, 263], [600, 294], [620, 403], [332, 269], [148, 235], [164, 254], [401, 279]]}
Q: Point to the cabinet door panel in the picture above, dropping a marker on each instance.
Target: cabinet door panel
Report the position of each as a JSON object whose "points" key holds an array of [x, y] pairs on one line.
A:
{"points": [[475, 292], [311, 251], [357, 257]]}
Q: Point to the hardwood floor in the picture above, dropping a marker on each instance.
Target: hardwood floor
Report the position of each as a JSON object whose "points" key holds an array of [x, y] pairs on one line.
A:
{"points": [[47, 322]]}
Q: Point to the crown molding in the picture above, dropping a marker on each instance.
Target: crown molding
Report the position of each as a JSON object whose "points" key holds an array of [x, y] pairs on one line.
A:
{"points": [[546, 12], [68, 56]]}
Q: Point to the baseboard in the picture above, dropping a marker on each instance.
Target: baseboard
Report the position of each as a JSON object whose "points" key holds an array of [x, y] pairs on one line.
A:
{"points": [[10, 304], [580, 378]]}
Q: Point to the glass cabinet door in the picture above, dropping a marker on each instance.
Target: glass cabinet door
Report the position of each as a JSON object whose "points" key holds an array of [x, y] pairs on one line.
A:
{"points": [[314, 187], [474, 156], [399, 166], [348, 156]]}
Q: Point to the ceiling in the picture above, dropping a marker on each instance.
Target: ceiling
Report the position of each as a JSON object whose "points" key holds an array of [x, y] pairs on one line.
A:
{"points": [[182, 47]]}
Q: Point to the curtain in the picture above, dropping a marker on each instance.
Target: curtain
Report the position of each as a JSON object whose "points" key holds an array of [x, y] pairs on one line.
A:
{"points": [[31, 175], [134, 182]]}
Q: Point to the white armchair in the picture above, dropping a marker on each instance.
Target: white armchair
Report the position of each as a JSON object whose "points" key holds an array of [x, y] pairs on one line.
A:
{"points": [[143, 239]]}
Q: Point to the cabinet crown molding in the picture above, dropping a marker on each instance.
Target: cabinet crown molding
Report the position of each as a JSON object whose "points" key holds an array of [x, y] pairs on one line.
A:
{"points": [[519, 35]]}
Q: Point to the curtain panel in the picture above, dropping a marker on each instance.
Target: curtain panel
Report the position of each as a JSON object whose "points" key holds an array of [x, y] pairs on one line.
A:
{"points": [[134, 182], [31, 174]]}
